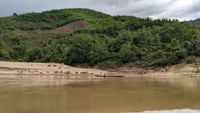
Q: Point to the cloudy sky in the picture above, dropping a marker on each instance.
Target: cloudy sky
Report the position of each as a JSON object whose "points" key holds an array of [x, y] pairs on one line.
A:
{"points": [[177, 9]]}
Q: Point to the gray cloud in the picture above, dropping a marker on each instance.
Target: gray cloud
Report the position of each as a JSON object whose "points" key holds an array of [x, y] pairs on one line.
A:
{"points": [[179, 9]]}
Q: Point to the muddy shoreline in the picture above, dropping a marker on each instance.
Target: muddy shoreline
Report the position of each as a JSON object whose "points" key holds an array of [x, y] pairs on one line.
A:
{"points": [[55, 71]]}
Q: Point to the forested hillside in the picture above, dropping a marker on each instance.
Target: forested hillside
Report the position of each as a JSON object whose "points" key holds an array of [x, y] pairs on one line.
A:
{"points": [[107, 41]]}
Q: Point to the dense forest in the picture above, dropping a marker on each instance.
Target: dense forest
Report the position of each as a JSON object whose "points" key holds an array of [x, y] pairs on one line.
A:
{"points": [[107, 41]]}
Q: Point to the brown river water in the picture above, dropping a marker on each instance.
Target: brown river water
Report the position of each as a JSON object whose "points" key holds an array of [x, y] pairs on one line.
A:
{"points": [[116, 95]]}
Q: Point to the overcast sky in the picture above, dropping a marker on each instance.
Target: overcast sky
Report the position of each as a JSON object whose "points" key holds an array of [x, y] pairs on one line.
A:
{"points": [[177, 9]]}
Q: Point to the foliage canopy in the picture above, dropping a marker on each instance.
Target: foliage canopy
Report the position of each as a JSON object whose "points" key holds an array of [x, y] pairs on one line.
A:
{"points": [[108, 41]]}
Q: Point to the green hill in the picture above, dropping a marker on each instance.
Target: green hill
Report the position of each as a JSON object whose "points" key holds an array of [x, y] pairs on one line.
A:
{"points": [[83, 36], [49, 19]]}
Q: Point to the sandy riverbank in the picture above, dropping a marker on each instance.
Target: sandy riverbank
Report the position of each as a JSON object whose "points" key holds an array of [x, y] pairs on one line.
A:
{"points": [[37, 74], [24, 68], [55, 69], [175, 71]]}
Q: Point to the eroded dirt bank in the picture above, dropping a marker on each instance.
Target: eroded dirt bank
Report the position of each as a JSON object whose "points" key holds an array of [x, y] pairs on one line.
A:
{"points": [[175, 71]]}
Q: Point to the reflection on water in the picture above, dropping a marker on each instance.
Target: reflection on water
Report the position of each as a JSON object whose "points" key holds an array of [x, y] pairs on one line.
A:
{"points": [[118, 95], [174, 111]]}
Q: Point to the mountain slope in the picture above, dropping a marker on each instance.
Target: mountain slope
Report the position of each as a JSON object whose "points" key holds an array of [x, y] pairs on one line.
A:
{"points": [[87, 37], [49, 19]]}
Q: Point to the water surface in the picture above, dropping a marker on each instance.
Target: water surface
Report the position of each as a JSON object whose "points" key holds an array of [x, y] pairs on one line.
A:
{"points": [[118, 95]]}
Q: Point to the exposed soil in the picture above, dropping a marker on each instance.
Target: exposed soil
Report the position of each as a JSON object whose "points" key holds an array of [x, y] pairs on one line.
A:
{"points": [[70, 27]]}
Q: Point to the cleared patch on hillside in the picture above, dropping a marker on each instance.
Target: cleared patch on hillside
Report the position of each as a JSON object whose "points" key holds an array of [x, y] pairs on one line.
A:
{"points": [[70, 27]]}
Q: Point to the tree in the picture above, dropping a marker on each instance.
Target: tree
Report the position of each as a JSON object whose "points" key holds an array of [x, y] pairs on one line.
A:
{"points": [[18, 52], [79, 51], [4, 54], [15, 14], [35, 55], [128, 53], [99, 52]]}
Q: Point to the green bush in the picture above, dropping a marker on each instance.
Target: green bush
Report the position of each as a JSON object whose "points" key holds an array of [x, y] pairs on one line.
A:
{"points": [[191, 59], [109, 64]]}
